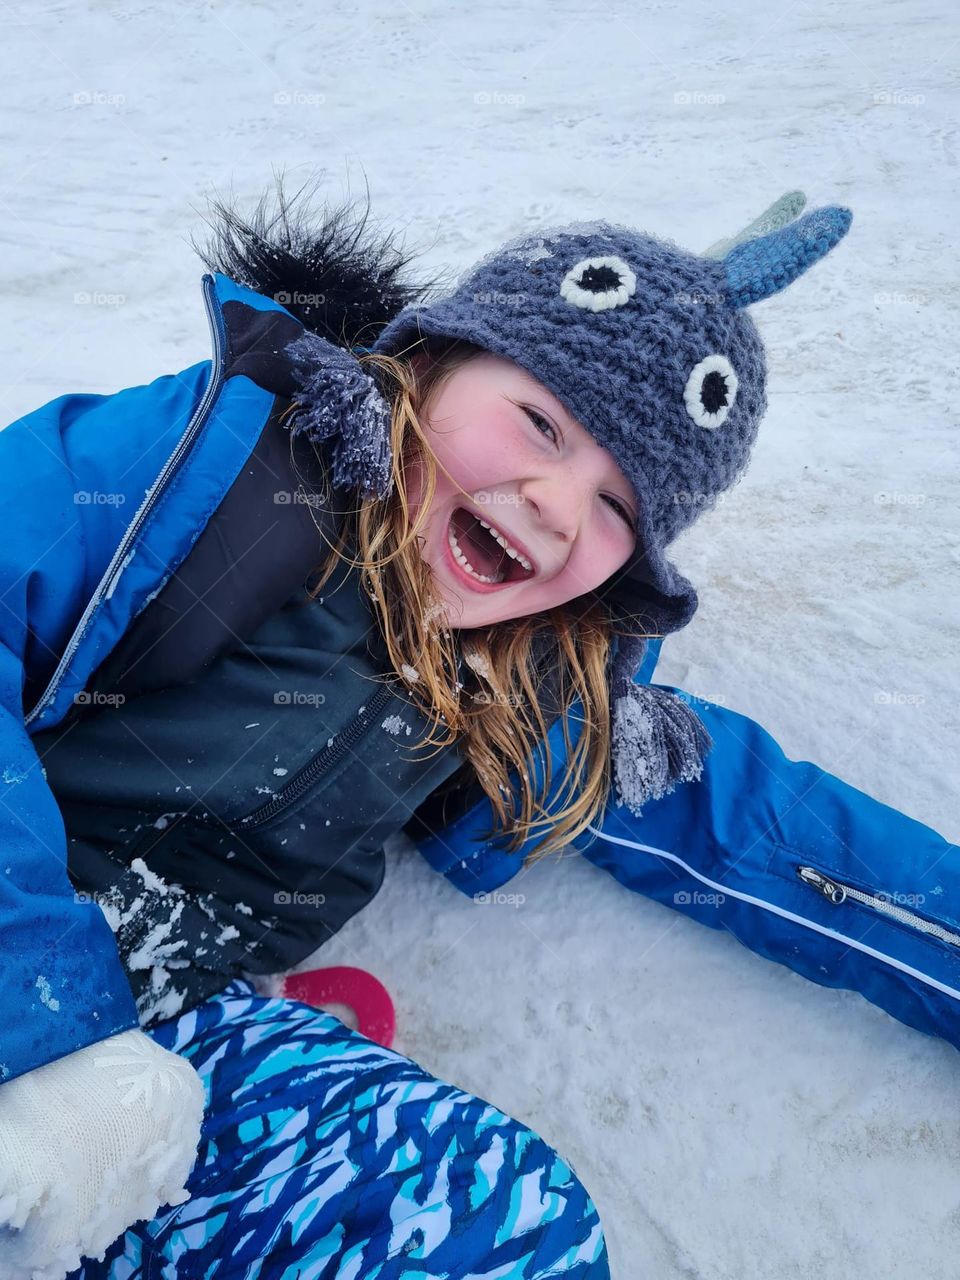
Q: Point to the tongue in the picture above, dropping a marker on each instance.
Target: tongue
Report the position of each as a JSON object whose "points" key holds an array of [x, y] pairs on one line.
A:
{"points": [[484, 552]]}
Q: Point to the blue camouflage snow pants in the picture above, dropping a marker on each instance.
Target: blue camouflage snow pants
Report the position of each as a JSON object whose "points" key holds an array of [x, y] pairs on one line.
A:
{"points": [[325, 1155]]}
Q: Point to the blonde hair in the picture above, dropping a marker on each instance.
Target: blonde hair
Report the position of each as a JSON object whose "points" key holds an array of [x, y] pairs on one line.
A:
{"points": [[495, 713]]}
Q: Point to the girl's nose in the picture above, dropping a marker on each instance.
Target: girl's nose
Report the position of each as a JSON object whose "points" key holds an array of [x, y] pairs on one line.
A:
{"points": [[557, 503]]}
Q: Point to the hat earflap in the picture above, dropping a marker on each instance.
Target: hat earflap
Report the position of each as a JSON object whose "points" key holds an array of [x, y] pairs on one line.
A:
{"points": [[339, 400], [657, 739]]}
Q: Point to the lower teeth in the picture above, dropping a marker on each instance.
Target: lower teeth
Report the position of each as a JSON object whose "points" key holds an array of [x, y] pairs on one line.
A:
{"points": [[462, 560]]}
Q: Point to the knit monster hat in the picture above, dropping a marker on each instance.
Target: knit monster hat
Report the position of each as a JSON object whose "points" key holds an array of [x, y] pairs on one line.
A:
{"points": [[649, 346]]}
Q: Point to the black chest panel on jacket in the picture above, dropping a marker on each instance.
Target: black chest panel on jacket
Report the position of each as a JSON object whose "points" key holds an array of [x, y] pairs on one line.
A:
{"points": [[228, 787]]}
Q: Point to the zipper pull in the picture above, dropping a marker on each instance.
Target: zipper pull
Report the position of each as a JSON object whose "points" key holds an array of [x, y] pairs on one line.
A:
{"points": [[832, 891]]}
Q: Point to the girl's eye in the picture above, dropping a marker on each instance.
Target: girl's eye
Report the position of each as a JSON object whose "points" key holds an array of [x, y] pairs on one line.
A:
{"points": [[536, 419], [624, 511]]}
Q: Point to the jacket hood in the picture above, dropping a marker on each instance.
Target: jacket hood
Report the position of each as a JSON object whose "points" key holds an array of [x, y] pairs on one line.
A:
{"points": [[338, 277]]}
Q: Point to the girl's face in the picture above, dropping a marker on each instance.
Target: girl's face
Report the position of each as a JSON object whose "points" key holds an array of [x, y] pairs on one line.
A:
{"points": [[536, 475]]}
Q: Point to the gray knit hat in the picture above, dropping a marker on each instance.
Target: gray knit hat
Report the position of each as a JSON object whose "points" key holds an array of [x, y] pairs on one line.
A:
{"points": [[650, 347]]}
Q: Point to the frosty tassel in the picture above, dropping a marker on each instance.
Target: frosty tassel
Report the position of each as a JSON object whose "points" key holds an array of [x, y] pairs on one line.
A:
{"points": [[658, 741], [339, 401]]}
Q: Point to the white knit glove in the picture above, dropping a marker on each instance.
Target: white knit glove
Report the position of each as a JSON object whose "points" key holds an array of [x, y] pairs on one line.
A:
{"points": [[90, 1144]]}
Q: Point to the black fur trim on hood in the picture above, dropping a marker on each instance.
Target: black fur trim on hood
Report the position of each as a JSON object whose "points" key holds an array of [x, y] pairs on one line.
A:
{"points": [[337, 278]]}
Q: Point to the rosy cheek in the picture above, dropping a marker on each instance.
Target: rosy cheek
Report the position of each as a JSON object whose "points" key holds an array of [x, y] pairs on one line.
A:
{"points": [[499, 426]]}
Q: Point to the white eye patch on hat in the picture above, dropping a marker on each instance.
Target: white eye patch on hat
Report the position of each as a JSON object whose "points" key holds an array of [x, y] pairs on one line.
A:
{"points": [[597, 284], [710, 391]]}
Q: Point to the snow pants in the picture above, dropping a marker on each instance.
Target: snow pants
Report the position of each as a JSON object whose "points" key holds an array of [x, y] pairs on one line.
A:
{"points": [[325, 1155]]}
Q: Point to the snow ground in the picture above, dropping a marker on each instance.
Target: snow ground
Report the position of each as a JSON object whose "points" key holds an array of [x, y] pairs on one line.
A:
{"points": [[730, 1118]]}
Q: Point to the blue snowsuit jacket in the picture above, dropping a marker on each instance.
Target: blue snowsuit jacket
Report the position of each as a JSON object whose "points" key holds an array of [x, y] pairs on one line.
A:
{"points": [[797, 864]]}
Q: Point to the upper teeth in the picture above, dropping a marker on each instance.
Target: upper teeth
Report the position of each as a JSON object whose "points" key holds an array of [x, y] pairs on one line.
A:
{"points": [[511, 551]]}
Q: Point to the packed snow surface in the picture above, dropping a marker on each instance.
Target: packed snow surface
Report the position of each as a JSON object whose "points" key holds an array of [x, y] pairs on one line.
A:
{"points": [[730, 1118]]}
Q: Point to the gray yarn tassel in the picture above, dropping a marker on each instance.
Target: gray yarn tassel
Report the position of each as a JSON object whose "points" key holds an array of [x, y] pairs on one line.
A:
{"points": [[657, 739], [340, 400]]}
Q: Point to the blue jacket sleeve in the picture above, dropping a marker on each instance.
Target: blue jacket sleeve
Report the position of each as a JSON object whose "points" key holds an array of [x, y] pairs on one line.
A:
{"points": [[803, 868], [800, 866], [70, 480]]}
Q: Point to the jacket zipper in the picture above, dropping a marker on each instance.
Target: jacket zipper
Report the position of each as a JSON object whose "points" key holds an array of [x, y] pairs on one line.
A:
{"points": [[118, 563], [838, 893], [316, 767]]}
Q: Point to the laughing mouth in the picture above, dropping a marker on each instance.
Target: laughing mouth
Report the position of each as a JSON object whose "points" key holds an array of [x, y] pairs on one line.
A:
{"points": [[484, 552]]}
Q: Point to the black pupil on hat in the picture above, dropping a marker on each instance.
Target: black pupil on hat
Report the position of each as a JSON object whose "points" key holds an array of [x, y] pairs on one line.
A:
{"points": [[599, 279], [713, 393]]}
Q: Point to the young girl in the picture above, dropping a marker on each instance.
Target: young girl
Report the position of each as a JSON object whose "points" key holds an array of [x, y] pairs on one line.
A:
{"points": [[226, 745]]}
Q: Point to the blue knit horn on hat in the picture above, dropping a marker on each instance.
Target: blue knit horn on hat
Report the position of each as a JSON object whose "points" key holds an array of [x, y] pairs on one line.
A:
{"points": [[649, 346]]}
